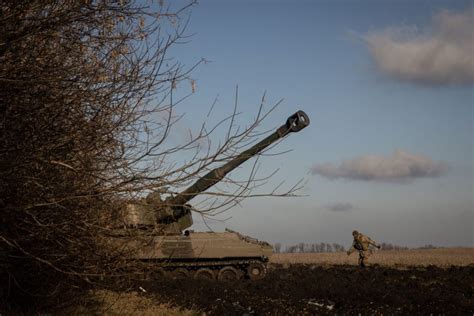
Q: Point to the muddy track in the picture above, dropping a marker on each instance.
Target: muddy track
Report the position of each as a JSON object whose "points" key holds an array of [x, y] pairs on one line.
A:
{"points": [[309, 289]]}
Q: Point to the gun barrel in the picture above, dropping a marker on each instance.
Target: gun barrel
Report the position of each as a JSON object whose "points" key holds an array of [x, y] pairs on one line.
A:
{"points": [[293, 124]]}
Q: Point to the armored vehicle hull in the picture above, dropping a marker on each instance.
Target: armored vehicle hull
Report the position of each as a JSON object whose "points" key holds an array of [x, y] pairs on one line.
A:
{"points": [[210, 255]]}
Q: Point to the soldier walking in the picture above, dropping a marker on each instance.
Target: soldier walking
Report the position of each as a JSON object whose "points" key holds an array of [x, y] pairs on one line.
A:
{"points": [[362, 244]]}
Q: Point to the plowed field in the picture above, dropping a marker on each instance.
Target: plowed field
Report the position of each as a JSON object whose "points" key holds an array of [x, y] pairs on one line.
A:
{"points": [[308, 289]]}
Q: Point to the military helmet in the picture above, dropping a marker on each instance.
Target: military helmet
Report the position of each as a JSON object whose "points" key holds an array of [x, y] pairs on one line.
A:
{"points": [[355, 233]]}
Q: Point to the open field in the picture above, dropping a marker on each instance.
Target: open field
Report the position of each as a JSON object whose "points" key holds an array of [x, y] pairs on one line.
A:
{"points": [[317, 290], [415, 282], [443, 257]]}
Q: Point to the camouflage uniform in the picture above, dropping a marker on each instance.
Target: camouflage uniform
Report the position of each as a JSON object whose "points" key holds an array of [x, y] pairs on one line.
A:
{"points": [[362, 244]]}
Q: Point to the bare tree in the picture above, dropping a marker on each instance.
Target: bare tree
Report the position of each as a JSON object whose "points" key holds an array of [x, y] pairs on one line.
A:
{"points": [[87, 106], [328, 247], [291, 249], [337, 247], [277, 247], [301, 247], [322, 247]]}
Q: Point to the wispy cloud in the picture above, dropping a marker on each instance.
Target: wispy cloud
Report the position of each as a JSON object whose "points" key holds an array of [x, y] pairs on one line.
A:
{"points": [[401, 166], [340, 207], [444, 55]]}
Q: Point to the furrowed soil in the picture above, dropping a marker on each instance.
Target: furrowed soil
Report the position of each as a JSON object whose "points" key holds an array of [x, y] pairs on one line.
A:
{"points": [[308, 289]]}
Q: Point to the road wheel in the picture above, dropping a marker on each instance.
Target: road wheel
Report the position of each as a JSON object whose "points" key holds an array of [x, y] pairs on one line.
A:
{"points": [[180, 273], [229, 274], [256, 271], [205, 274]]}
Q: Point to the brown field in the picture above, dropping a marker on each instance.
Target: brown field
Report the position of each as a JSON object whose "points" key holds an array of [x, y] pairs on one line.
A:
{"points": [[435, 281], [443, 257]]}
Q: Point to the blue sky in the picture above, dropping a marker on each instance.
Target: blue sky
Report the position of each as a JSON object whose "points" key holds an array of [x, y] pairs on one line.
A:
{"points": [[357, 69]]}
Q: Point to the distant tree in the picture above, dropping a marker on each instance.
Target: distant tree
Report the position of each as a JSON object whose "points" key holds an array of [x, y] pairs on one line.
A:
{"points": [[318, 247], [322, 247], [328, 247], [301, 247], [387, 246], [429, 246], [337, 247], [277, 247]]}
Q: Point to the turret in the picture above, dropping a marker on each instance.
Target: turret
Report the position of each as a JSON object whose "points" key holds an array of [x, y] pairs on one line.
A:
{"points": [[173, 215]]}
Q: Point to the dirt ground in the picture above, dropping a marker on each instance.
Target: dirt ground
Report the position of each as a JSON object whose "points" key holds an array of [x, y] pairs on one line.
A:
{"points": [[441, 257], [306, 289]]}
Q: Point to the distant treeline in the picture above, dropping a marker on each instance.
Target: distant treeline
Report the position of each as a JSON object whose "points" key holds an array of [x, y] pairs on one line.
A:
{"points": [[309, 248], [334, 247]]}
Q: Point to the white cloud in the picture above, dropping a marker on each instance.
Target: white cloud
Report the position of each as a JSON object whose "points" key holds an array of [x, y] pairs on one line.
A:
{"points": [[401, 166], [445, 55]]}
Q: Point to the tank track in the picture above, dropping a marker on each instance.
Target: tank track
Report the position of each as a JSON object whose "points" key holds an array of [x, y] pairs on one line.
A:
{"points": [[223, 269]]}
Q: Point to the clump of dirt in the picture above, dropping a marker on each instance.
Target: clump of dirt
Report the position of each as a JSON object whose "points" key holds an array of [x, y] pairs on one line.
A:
{"points": [[310, 289]]}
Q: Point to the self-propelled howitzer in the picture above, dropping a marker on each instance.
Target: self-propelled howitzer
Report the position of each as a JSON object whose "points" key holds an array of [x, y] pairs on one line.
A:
{"points": [[226, 255]]}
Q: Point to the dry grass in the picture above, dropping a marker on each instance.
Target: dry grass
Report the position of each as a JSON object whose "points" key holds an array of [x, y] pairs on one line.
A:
{"points": [[443, 257], [111, 303]]}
